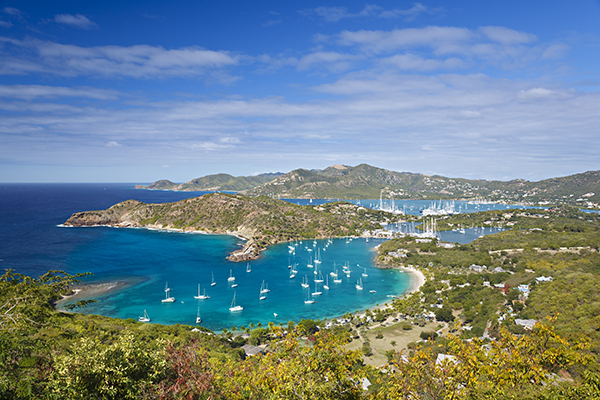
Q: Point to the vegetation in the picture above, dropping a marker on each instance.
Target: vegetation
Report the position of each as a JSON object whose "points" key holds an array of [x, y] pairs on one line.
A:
{"points": [[49, 354]]}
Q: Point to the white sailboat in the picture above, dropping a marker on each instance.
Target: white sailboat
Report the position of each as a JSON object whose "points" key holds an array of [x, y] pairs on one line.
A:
{"points": [[334, 273], [168, 299], [235, 307], [201, 296], [365, 273], [317, 292], [309, 300], [144, 318], [326, 285], [292, 274], [231, 277], [262, 294], [248, 269], [359, 284], [212, 283], [264, 288], [309, 265], [318, 258], [305, 282], [320, 278], [337, 279], [198, 319]]}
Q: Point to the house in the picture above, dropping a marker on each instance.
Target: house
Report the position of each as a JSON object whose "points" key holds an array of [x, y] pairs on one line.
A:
{"points": [[526, 323], [443, 357], [541, 279], [523, 288], [252, 350], [477, 268]]}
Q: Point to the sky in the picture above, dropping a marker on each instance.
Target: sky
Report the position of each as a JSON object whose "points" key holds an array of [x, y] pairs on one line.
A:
{"points": [[138, 91]]}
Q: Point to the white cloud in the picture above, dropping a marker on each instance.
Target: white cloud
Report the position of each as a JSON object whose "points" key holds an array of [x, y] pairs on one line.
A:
{"points": [[409, 14], [77, 20], [469, 114], [331, 14], [555, 50], [414, 62], [140, 61], [5, 24], [112, 143], [30, 92], [272, 22], [431, 121], [505, 35], [332, 61], [384, 41], [12, 11], [540, 93], [336, 14]]}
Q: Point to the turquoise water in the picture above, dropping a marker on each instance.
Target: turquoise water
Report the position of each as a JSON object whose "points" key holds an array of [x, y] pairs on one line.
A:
{"points": [[148, 259]]}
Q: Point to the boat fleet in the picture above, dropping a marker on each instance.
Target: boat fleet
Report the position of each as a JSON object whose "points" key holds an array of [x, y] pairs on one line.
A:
{"points": [[320, 280]]}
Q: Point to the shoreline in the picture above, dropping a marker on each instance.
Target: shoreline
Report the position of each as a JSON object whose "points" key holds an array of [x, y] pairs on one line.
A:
{"points": [[88, 290], [417, 280]]}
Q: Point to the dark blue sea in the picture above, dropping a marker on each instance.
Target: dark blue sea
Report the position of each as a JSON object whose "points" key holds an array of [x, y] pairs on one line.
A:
{"points": [[32, 241]]}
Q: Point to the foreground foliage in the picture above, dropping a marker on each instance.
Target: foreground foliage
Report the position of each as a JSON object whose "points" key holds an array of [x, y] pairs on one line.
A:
{"points": [[49, 354]]}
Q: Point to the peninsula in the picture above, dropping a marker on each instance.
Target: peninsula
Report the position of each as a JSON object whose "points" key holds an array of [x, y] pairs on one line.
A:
{"points": [[262, 221]]}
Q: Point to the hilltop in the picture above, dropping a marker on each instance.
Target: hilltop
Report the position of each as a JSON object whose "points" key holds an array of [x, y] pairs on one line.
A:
{"points": [[260, 220], [367, 182]]}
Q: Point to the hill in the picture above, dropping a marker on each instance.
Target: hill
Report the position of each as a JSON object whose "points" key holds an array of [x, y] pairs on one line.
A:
{"points": [[216, 182], [261, 220], [367, 182]]}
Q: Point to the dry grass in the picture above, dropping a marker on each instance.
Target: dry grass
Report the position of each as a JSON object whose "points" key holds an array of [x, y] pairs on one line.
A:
{"points": [[390, 333]]}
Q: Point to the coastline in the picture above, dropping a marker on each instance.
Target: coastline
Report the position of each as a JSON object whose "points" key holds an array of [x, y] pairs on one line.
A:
{"points": [[89, 290], [418, 279]]}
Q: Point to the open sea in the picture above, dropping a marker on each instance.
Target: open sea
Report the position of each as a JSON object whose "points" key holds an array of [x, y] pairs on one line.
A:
{"points": [[32, 241]]}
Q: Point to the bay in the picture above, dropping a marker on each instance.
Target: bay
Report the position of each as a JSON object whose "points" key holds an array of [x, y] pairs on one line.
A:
{"points": [[32, 241]]}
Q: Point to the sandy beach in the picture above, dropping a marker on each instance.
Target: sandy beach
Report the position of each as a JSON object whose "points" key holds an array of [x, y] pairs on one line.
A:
{"points": [[417, 278], [87, 291]]}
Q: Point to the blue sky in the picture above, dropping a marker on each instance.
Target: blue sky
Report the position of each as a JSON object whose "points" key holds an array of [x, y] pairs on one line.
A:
{"points": [[138, 91]]}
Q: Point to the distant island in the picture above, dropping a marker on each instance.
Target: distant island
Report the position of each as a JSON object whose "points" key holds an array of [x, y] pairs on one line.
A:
{"points": [[261, 220], [367, 182]]}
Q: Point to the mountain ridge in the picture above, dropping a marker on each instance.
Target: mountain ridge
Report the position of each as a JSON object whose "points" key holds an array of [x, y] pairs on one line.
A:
{"points": [[367, 182]]}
